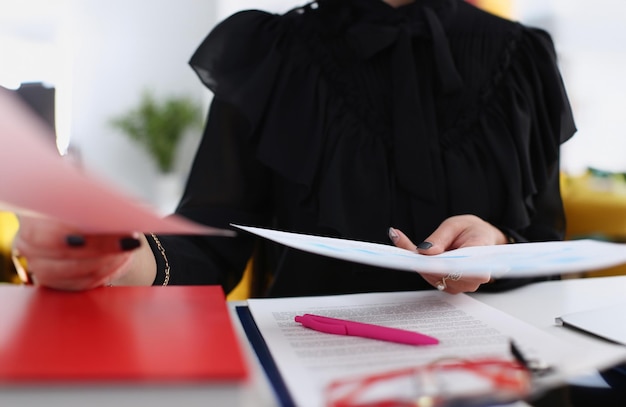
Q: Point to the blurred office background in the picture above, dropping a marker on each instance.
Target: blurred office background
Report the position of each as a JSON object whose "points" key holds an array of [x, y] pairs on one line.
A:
{"points": [[100, 56]]}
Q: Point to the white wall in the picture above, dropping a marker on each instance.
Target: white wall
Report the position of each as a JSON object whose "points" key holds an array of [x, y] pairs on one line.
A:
{"points": [[121, 48], [593, 36], [228, 7], [100, 56], [590, 37]]}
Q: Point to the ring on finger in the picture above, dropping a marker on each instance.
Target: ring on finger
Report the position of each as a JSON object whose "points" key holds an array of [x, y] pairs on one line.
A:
{"points": [[454, 276], [441, 285]]}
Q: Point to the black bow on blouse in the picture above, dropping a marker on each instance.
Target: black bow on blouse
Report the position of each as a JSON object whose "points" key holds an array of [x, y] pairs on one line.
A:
{"points": [[415, 143]]}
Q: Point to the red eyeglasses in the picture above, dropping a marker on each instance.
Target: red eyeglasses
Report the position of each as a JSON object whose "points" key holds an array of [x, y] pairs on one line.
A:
{"points": [[445, 382]]}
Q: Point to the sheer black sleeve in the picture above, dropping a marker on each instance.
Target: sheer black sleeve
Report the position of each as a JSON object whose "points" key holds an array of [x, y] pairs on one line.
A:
{"points": [[226, 185]]}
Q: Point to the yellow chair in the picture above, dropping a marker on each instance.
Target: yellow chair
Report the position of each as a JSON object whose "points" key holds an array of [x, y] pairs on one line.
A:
{"points": [[595, 207], [242, 291], [8, 228], [502, 8]]}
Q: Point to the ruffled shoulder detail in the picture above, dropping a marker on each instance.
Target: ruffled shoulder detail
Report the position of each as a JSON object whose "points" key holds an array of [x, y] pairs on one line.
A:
{"points": [[530, 70], [253, 61], [522, 119], [235, 61]]}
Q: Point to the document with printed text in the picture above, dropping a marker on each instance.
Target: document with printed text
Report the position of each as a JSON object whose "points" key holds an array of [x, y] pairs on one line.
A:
{"points": [[309, 360]]}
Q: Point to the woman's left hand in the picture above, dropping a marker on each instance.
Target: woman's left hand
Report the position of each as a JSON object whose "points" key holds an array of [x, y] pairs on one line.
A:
{"points": [[453, 233]]}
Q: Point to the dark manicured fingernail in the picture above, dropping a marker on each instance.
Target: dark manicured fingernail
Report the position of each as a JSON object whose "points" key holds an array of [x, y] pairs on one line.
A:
{"points": [[75, 240], [129, 243], [424, 245]]}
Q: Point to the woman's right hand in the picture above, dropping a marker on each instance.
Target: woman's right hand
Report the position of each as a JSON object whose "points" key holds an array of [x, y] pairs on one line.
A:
{"points": [[63, 257]]}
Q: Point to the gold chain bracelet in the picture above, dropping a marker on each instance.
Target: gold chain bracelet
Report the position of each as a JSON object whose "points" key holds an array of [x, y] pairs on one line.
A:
{"points": [[21, 267], [167, 263]]}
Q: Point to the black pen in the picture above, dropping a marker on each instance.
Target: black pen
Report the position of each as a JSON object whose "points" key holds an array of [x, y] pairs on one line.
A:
{"points": [[517, 354], [535, 366]]}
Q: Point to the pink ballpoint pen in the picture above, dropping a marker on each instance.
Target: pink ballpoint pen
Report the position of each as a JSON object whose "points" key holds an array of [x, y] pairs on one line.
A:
{"points": [[352, 328]]}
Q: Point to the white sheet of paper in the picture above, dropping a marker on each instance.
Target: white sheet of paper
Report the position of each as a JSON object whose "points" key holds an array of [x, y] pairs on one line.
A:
{"points": [[35, 179], [308, 360], [502, 261]]}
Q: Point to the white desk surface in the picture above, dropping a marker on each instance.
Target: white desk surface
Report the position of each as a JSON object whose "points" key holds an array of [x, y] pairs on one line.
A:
{"points": [[538, 304]]}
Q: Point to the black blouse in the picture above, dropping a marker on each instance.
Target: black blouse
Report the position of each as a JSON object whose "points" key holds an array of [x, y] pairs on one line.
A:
{"points": [[345, 117]]}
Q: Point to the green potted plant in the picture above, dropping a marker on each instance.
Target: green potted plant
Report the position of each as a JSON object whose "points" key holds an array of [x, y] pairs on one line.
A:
{"points": [[160, 125]]}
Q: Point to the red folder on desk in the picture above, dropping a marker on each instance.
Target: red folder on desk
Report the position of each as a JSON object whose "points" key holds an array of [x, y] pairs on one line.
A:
{"points": [[119, 335]]}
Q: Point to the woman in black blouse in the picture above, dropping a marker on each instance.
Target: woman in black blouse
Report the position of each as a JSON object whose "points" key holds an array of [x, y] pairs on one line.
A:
{"points": [[344, 118]]}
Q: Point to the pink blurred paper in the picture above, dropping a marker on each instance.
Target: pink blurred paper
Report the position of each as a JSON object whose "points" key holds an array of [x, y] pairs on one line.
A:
{"points": [[35, 179]]}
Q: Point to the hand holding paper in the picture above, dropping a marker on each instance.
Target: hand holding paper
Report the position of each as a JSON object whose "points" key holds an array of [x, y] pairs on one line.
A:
{"points": [[75, 232], [502, 261]]}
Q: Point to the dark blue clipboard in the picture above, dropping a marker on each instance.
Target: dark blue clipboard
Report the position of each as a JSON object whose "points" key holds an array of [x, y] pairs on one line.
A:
{"points": [[265, 357]]}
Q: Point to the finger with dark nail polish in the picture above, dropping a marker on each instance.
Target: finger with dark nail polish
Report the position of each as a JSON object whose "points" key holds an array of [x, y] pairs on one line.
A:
{"points": [[75, 240], [424, 245]]}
